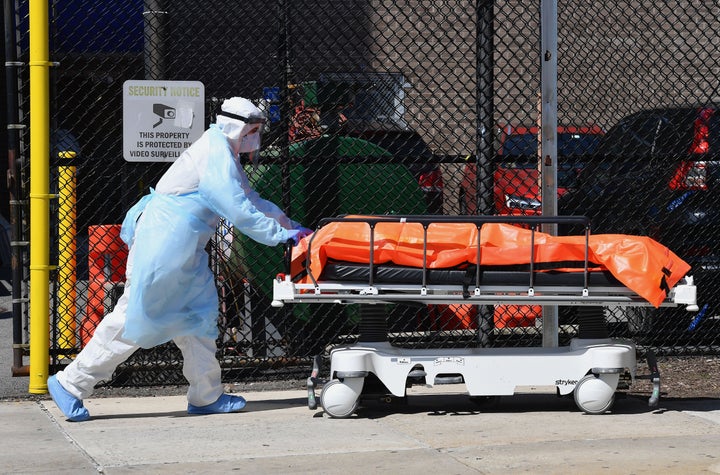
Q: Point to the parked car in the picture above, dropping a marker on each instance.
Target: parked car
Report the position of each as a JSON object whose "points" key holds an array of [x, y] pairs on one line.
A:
{"points": [[516, 186], [658, 174], [516, 189]]}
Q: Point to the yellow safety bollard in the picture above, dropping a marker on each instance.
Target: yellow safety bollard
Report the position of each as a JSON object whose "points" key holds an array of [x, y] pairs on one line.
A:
{"points": [[67, 247], [39, 66]]}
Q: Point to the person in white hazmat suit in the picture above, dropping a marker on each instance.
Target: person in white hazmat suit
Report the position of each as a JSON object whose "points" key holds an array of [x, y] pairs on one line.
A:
{"points": [[170, 292]]}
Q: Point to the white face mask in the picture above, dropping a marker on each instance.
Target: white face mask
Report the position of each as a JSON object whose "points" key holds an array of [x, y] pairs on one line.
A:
{"points": [[250, 143], [243, 128]]}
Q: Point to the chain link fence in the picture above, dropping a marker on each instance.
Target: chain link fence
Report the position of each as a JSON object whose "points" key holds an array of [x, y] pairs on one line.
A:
{"points": [[379, 107]]}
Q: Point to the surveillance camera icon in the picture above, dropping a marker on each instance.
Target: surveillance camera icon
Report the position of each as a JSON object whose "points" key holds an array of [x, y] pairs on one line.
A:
{"points": [[164, 112]]}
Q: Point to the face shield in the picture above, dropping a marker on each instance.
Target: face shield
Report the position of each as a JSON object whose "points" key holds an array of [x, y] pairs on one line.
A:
{"points": [[250, 134]]}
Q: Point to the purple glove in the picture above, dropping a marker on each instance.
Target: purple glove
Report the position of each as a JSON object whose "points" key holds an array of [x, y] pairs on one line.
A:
{"points": [[294, 234], [303, 231], [298, 233]]}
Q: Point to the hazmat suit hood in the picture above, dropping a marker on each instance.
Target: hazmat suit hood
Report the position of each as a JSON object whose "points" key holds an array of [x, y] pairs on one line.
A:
{"points": [[242, 123]]}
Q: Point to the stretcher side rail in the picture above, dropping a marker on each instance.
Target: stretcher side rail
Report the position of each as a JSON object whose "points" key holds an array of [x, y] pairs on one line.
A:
{"points": [[532, 221]]}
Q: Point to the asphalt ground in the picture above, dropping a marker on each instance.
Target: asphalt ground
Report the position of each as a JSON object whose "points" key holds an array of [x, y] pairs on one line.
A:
{"points": [[434, 429], [9, 386], [438, 430]]}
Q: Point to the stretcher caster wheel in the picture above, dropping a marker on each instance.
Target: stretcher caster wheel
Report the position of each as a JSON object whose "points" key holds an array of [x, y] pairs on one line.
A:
{"points": [[596, 394], [340, 399]]}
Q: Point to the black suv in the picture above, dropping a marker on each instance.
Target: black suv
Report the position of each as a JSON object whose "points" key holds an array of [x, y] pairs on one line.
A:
{"points": [[657, 174]]}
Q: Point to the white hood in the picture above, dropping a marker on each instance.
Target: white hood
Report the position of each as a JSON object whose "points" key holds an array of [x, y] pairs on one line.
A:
{"points": [[236, 130]]}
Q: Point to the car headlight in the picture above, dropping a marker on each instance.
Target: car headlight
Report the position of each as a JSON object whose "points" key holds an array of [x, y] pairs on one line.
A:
{"points": [[522, 202]]}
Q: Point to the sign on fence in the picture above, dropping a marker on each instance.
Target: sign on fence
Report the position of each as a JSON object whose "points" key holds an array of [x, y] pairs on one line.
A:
{"points": [[161, 119]]}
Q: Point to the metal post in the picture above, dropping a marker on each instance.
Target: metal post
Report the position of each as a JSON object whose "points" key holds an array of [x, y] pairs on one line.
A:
{"points": [[285, 105], [154, 15], [484, 107], [13, 184], [39, 197], [67, 246], [548, 132], [484, 153]]}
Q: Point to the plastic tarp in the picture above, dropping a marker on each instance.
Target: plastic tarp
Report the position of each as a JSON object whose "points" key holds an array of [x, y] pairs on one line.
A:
{"points": [[642, 264]]}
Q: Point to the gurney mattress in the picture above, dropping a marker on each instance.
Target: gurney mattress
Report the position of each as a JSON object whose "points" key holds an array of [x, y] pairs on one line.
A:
{"points": [[494, 276]]}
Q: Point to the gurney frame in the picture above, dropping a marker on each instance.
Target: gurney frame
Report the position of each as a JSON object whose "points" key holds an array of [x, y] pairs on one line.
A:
{"points": [[589, 368]]}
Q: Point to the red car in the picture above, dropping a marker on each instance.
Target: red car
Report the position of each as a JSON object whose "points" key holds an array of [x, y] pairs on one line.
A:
{"points": [[516, 189]]}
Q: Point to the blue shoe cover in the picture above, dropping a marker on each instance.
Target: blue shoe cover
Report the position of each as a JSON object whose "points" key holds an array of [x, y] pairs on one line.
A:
{"points": [[225, 403], [71, 406]]}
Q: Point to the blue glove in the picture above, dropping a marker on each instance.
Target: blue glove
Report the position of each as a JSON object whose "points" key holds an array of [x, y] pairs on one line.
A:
{"points": [[298, 233], [294, 234], [304, 232]]}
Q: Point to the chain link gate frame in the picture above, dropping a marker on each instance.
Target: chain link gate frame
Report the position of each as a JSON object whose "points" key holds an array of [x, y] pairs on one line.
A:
{"points": [[439, 88]]}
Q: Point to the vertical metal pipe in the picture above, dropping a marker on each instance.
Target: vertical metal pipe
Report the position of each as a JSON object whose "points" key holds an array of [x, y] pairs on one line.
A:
{"points": [[13, 183], [484, 153], [154, 44], [285, 105], [548, 87], [39, 197], [548, 111]]}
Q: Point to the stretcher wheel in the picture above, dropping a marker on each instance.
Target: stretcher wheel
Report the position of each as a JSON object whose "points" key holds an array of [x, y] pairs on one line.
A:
{"points": [[340, 399], [596, 394]]}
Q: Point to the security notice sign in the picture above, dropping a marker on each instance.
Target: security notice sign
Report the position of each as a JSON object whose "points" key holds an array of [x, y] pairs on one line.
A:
{"points": [[161, 119]]}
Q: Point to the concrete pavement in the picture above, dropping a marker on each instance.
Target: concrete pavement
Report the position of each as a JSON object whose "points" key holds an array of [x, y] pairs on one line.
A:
{"points": [[438, 430]]}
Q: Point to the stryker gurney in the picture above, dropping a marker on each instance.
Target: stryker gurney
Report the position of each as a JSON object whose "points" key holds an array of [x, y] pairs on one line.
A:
{"points": [[481, 260]]}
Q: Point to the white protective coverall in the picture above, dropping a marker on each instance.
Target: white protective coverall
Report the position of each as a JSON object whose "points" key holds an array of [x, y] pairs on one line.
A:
{"points": [[170, 292]]}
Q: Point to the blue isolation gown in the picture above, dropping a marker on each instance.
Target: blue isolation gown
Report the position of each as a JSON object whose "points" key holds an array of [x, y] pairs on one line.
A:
{"points": [[171, 288]]}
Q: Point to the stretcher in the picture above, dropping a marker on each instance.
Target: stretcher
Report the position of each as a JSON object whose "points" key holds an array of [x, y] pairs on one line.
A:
{"points": [[478, 260]]}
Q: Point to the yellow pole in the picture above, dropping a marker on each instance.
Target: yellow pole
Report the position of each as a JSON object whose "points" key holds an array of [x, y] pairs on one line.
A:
{"points": [[67, 245], [39, 197]]}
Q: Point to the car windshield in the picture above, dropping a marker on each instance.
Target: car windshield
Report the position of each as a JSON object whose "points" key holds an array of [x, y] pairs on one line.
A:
{"points": [[520, 150], [568, 144]]}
